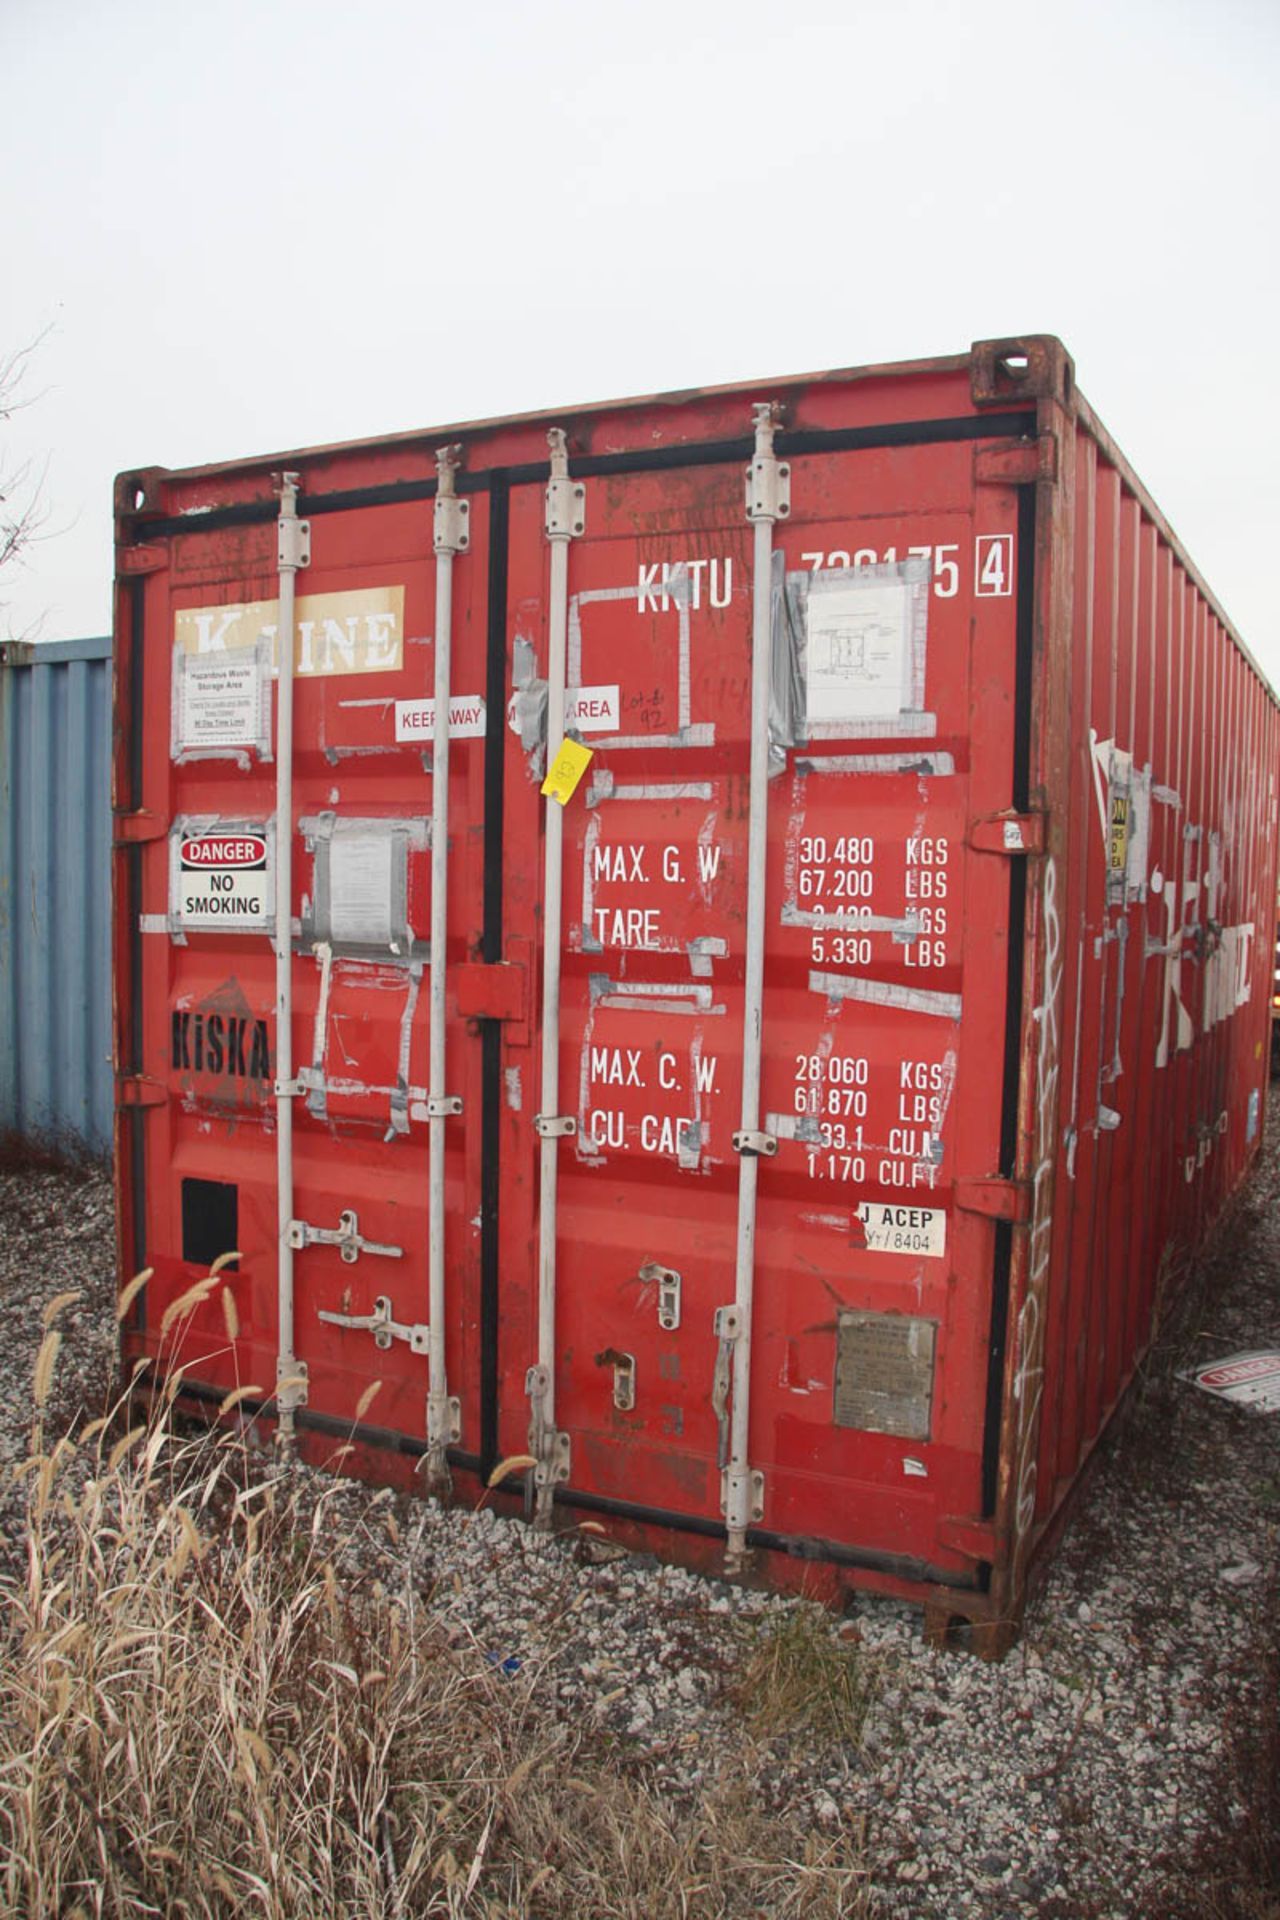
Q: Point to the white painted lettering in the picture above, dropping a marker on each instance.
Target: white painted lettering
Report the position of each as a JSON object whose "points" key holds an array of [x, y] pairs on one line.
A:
{"points": [[676, 582], [605, 1129], [626, 927], [212, 624], [660, 1133], [380, 639], [609, 1068], [646, 592], [621, 863]]}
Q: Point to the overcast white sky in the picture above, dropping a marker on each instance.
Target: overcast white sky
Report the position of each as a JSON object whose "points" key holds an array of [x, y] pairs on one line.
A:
{"points": [[253, 227]]}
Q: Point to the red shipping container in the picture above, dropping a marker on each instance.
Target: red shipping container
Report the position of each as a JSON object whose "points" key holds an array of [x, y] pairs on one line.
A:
{"points": [[782, 1108]]}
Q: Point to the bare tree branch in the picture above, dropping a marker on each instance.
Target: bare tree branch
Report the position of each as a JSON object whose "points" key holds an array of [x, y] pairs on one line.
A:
{"points": [[24, 511]]}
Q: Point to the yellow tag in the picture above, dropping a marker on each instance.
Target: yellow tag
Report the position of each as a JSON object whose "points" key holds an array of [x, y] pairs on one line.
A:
{"points": [[566, 770], [1118, 842]]}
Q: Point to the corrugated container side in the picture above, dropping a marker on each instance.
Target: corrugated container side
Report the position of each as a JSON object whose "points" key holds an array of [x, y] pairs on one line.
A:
{"points": [[1149, 1038], [55, 879]]}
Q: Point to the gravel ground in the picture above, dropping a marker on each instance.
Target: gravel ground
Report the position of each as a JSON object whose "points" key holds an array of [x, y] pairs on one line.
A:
{"points": [[1109, 1767]]}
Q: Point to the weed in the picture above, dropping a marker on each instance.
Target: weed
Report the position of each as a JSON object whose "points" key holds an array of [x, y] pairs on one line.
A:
{"points": [[203, 1714], [798, 1676]]}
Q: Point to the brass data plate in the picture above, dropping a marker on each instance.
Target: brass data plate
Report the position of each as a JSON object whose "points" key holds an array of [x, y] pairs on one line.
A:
{"points": [[884, 1373]]}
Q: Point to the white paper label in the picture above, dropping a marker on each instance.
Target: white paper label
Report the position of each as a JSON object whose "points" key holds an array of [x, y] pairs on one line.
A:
{"points": [[892, 1228], [592, 709], [220, 701], [857, 656], [416, 719], [223, 880], [360, 874]]}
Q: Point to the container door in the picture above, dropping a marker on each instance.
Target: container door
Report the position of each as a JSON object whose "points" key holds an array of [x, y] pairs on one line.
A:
{"points": [[205, 1155], [889, 1073]]}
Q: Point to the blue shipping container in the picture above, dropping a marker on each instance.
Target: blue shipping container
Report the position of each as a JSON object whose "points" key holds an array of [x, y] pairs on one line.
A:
{"points": [[55, 891]]}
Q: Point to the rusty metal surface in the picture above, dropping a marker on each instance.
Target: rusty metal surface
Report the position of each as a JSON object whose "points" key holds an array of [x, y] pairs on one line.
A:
{"points": [[1021, 830]]}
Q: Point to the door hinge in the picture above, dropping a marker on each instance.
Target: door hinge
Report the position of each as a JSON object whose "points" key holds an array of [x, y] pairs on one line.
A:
{"points": [[135, 829], [1016, 463], [753, 1141], [566, 498], [975, 1539], [1010, 833], [995, 1198], [293, 544], [499, 991], [742, 1496], [135, 1090], [131, 561]]}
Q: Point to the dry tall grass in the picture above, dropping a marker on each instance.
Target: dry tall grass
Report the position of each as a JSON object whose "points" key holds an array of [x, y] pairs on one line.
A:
{"points": [[201, 1716]]}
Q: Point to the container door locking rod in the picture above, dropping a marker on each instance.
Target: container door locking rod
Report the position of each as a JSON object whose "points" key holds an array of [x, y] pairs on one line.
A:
{"points": [[382, 1325], [346, 1236], [294, 552], [768, 501], [565, 520], [450, 537]]}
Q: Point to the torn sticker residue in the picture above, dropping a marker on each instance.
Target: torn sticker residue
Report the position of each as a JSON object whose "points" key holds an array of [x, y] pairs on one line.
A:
{"points": [[786, 684], [924, 766], [644, 996], [834, 920], [678, 591], [881, 993], [1249, 1379], [794, 1126], [398, 1119], [527, 712], [690, 1140], [1124, 794], [703, 950], [316, 1103], [1139, 852]]}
